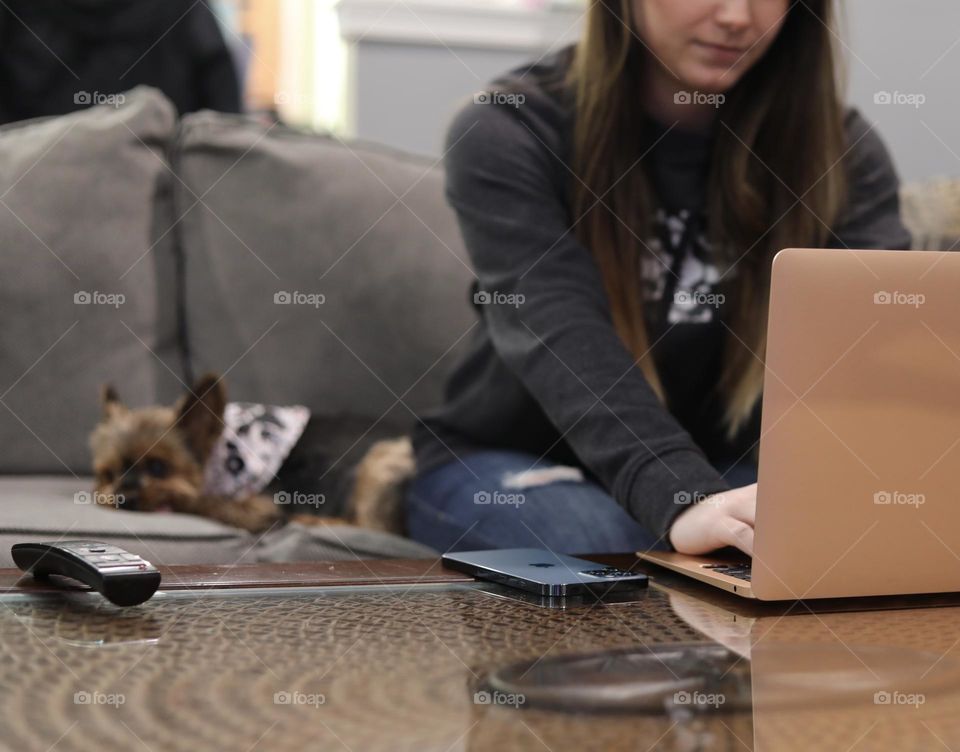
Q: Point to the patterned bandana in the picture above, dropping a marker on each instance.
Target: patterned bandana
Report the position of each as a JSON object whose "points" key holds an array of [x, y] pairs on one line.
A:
{"points": [[256, 439]]}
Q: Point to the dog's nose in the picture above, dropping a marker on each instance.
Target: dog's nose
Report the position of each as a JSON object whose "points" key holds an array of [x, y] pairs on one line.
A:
{"points": [[130, 481], [128, 492]]}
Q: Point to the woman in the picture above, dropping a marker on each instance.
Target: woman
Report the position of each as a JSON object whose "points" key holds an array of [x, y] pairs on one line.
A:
{"points": [[621, 202]]}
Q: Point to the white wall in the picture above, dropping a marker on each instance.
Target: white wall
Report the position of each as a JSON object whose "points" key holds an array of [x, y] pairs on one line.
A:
{"points": [[412, 65], [911, 47]]}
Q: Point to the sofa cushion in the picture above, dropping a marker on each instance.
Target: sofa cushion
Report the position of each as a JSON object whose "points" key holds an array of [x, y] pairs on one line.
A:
{"points": [[319, 273], [46, 508], [85, 294]]}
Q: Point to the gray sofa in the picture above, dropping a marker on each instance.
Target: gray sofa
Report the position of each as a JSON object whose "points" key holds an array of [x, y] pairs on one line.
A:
{"points": [[199, 223]]}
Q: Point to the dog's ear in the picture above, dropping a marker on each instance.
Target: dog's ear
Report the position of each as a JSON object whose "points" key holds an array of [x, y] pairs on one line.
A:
{"points": [[200, 415], [110, 402]]}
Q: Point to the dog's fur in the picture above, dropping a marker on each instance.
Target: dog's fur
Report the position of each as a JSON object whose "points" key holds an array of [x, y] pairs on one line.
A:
{"points": [[153, 458]]}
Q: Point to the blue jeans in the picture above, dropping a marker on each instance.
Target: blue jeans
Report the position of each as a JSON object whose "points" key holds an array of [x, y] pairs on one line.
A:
{"points": [[469, 505]]}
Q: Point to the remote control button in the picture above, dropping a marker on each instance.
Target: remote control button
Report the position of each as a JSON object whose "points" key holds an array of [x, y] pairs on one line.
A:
{"points": [[108, 550], [83, 547], [104, 558]]}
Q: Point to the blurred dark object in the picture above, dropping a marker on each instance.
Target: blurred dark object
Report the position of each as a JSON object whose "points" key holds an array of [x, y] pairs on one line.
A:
{"points": [[57, 56]]}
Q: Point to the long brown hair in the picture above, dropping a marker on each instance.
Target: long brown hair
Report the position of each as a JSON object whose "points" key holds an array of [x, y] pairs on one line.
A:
{"points": [[779, 136]]}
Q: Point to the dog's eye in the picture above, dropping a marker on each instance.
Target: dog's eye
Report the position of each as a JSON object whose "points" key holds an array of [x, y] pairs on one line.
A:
{"points": [[157, 468]]}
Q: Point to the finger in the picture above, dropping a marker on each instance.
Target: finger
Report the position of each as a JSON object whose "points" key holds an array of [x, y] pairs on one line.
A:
{"points": [[744, 505], [737, 533]]}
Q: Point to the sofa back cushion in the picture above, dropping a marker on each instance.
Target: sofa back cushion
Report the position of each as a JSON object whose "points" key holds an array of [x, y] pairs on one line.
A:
{"points": [[318, 272], [86, 290]]}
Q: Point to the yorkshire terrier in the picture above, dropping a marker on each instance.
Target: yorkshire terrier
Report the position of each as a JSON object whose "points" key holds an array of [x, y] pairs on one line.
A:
{"points": [[154, 458]]}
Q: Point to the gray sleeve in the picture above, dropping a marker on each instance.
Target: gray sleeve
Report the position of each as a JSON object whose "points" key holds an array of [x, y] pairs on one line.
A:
{"points": [[872, 216], [505, 184]]}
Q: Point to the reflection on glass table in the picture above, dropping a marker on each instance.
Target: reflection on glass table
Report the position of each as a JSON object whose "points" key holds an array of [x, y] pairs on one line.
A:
{"points": [[447, 667]]}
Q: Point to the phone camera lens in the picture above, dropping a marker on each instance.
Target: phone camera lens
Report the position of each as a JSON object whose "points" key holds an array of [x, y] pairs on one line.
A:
{"points": [[606, 572]]}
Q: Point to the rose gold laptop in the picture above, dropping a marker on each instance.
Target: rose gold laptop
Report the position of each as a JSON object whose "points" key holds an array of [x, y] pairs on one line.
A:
{"points": [[859, 476]]}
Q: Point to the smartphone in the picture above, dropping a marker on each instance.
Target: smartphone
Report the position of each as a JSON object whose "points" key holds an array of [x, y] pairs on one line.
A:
{"points": [[543, 572]]}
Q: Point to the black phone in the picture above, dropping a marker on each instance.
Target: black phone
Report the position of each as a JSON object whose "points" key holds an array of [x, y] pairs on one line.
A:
{"points": [[544, 572]]}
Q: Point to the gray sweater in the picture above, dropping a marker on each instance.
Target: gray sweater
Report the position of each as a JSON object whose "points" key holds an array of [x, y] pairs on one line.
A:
{"points": [[547, 373]]}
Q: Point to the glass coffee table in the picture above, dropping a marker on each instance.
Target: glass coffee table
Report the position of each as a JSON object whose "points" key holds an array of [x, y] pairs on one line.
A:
{"points": [[408, 656]]}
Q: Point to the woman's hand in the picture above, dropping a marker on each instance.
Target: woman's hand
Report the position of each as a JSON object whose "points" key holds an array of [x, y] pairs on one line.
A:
{"points": [[724, 519]]}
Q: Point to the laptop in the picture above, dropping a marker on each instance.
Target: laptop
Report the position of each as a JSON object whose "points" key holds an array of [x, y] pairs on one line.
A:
{"points": [[859, 460]]}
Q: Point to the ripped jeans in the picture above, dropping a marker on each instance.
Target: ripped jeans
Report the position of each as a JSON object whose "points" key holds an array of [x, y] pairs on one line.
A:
{"points": [[503, 499]]}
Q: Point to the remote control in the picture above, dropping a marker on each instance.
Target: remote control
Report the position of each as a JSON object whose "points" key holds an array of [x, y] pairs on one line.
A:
{"points": [[121, 577]]}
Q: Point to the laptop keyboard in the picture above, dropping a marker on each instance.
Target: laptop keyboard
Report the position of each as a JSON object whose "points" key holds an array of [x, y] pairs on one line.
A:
{"points": [[740, 571]]}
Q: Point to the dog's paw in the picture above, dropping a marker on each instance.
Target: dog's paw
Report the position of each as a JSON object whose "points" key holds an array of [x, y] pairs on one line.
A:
{"points": [[388, 462], [377, 499], [256, 514]]}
